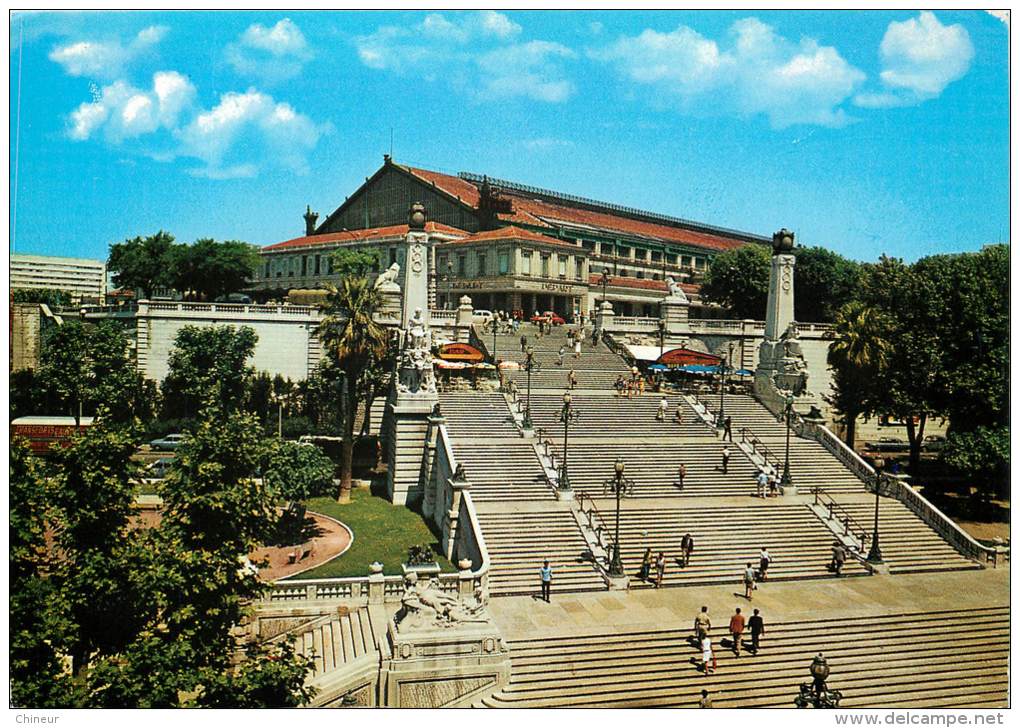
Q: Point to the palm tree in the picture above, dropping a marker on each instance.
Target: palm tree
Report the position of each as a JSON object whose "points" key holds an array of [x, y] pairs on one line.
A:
{"points": [[355, 342], [857, 356]]}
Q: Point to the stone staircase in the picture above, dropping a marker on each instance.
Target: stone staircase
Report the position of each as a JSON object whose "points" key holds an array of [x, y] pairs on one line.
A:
{"points": [[474, 415], [519, 542], [908, 544], [811, 464], [596, 368], [956, 659], [338, 639], [653, 468], [554, 378], [503, 471], [725, 539], [611, 418]]}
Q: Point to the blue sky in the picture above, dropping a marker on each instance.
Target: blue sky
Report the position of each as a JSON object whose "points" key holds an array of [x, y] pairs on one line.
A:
{"points": [[865, 132]]}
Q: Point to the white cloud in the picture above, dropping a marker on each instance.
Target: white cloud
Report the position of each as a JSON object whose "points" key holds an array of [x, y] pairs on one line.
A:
{"points": [[759, 72], [122, 111], [920, 57], [271, 54], [243, 122], [105, 59], [478, 53]]}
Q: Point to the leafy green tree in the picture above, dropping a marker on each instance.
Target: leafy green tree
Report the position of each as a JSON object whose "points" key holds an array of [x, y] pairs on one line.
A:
{"points": [[208, 364], [37, 677], [355, 343], [318, 395], [142, 264], [31, 394], [739, 281], [93, 499], [207, 269], [355, 262], [858, 354], [50, 296], [89, 366], [982, 454], [296, 471], [824, 282]]}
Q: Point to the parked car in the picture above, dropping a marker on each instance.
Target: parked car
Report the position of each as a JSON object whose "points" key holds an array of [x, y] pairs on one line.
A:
{"points": [[887, 444], [159, 468], [933, 442], [548, 316], [481, 316], [168, 442]]}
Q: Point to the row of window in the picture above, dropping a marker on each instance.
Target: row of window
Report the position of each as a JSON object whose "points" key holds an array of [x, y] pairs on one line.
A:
{"points": [[632, 253]]}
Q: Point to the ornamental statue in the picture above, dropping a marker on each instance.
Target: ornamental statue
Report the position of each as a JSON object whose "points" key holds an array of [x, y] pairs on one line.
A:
{"points": [[426, 605], [416, 217], [782, 242]]}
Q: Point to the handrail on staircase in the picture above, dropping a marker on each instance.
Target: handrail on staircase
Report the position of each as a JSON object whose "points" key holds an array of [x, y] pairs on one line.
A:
{"points": [[851, 527], [593, 510], [758, 446]]}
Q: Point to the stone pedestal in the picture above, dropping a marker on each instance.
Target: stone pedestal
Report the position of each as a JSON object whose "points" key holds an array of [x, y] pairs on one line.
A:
{"points": [[408, 438], [415, 277], [618, 583], [675, 312], [444, 666], [392, 300], [779, 310], [604, 317]]}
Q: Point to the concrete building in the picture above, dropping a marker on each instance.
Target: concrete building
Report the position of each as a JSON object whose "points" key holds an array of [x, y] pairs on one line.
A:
{"points": [[83, 278], [509, 246]]}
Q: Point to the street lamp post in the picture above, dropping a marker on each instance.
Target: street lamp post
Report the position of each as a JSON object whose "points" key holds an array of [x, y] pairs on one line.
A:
{"points": [[721, 419], [605, 282], [817, 693], [620, 486], [495, 326], [567, 416], [875, 553], [786, 480], [530, 365]]}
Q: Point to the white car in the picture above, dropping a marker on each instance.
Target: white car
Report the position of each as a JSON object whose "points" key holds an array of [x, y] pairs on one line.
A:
{"points": [[481, 316], [169, 442]]}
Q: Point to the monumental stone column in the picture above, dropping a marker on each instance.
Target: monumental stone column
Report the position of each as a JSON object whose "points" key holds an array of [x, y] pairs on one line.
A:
{"points": [[414, 394], [782, 369]]}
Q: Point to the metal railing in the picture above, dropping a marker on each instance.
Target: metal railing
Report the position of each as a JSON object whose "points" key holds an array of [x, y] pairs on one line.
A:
{"points": [[851, 526], [602, 535], [758, 447]]}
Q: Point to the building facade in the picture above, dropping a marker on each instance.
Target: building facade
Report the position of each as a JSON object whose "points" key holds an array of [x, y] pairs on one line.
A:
{"points": [[509, 246], [84, 279]]}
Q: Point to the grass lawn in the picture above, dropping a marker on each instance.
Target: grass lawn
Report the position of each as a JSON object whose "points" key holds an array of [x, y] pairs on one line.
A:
{"points": [[382, 532]]}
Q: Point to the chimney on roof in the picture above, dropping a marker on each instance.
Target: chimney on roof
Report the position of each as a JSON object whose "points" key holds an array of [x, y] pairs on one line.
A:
{"points": [[310, 219], [386, 159]]}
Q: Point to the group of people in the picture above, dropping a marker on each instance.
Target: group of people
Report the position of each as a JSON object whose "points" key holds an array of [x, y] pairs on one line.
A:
{"points": [[576, 346], [659, 562], [663, 410], [629, 387], [739, 624], [503, 323], [768, 483]]}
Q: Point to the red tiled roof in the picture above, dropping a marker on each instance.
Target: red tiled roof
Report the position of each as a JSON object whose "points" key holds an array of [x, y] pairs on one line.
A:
{"points": [[353, 236], [645, 283], [454, 186], [528, 209], [512, 232]]}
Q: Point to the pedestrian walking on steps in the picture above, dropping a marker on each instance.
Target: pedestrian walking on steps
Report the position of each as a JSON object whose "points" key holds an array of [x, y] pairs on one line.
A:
{"points": [[763, 481], [646, 565], [660, 569], [546, 573], [686, 547], [838, 557], [757, 626], [524, 342], [737, 624], [594, 338], [660, 414], [706, 700], [773, 484], [559, 360], [577, 347], [728, 429], [681, 474], [678, 416], [748, 581], [707, 656], [571, 379], [702, 625], [726, 459], [764, 562], [619, 385]]}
